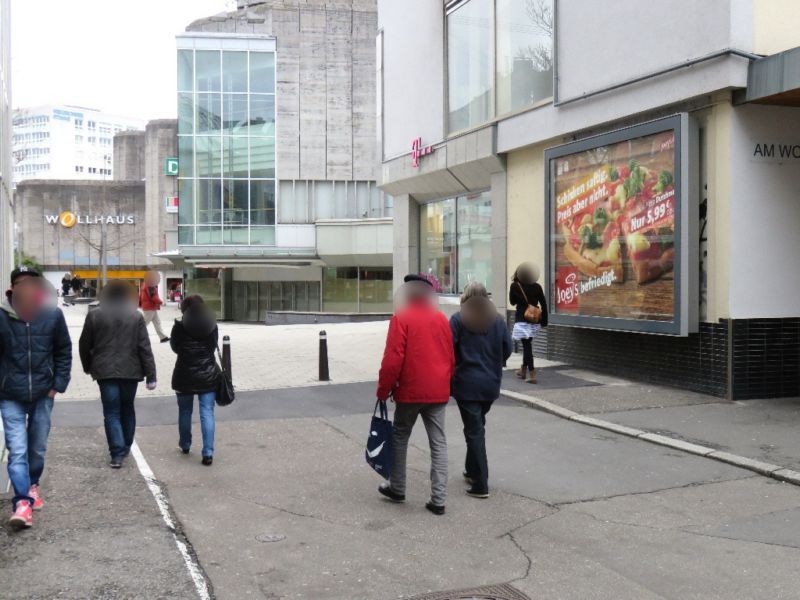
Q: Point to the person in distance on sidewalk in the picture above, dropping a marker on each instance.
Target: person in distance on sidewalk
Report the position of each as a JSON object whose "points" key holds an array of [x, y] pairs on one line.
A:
{"points": [[35, 364], [416, 371], [150, 303], [525, 292], [115, 351], [482, 345], [194, 339]]}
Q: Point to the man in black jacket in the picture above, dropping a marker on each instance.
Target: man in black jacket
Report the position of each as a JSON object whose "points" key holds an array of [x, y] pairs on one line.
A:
{"points": [[35, 365], [115, 351]]}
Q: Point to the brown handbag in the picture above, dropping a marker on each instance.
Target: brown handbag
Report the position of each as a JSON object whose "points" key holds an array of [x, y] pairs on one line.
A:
{"points": [[533, 314]]}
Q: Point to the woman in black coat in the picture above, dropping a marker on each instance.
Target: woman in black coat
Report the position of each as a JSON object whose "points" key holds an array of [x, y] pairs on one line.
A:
{"points": [[194, 339], [525, 292], [482, 344]]}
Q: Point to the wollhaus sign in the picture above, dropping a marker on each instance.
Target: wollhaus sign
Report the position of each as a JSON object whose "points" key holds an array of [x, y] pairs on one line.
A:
{"points": [[69, 219]]}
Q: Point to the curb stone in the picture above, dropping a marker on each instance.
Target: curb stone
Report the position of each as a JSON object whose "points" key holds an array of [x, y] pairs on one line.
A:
{"points": [[756, 466], [787, 475]]}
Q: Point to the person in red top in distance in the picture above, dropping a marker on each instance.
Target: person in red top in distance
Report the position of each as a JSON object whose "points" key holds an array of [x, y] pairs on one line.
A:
{"points": [[150, 303], [416, 371]]}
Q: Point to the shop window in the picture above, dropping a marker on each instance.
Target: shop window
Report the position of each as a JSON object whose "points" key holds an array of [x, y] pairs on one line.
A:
{"points": [[455, 241], [354, 289], [469, 64], [524, 53], [474, 239], [375, 292], [499, 59], [340, 289], [438, 243]]}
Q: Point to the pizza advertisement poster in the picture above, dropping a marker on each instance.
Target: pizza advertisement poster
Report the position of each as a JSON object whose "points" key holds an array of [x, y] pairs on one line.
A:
{"points": [[613, 204]]}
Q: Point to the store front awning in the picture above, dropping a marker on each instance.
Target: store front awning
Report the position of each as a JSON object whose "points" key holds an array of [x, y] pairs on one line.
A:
{"points": [[222, 256], [774, 80]]}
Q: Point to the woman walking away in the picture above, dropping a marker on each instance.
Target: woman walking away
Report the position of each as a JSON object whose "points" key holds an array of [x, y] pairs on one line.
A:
{"points": [[525, 292], [194, 339], [115, 351], [482, 345]]}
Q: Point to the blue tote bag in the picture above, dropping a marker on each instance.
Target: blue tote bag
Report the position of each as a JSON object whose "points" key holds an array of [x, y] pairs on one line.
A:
{"points": [[379, 443]]}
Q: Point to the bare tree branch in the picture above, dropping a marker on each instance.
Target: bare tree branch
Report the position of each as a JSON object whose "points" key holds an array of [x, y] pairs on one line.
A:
{"points": [[540, 12]]}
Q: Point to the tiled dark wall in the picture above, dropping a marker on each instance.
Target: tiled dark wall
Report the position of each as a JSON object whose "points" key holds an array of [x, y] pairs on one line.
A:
{"points": [[766, 356], [697, 362]]}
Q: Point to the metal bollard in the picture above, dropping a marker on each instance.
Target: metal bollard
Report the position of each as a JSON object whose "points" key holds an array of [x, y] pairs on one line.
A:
{"points": [[226, 355], [324, 374]]}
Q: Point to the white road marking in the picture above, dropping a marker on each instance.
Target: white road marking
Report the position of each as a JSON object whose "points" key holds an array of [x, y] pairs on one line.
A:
{"points": [[196, 573]]}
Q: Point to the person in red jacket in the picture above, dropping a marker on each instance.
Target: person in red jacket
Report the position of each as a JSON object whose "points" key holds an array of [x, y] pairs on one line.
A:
{"points": [[417, 367], [150, 303]]}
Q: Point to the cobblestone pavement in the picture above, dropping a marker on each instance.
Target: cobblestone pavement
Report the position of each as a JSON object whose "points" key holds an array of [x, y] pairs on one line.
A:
{"points": [[263, 357]]}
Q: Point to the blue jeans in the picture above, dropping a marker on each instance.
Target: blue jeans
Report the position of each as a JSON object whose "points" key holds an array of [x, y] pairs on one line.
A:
{"points": [[185, 406], [26, 425], [119, 415]]}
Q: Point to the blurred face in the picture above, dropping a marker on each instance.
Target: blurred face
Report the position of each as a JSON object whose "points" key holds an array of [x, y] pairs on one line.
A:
{"points": [[152, 278], [28, 294]]}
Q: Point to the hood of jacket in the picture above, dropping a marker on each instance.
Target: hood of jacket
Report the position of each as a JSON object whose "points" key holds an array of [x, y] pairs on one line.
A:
{"points": [[5, 306], [478, 314], [198, 323]]}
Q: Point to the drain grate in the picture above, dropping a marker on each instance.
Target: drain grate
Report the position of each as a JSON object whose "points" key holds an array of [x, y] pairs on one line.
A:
{"points": [[489, 592]]}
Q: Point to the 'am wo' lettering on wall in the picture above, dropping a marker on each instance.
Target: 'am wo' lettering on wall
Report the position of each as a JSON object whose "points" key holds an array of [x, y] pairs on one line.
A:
{"points": [[775, 152]]}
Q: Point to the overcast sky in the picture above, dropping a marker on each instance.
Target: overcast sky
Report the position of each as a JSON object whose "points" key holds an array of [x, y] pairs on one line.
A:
{"points": [[113, 55]]}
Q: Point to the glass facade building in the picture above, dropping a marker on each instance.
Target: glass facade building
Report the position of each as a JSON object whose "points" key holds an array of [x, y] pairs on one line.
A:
{"points": [[226, 141], [279, 208]]}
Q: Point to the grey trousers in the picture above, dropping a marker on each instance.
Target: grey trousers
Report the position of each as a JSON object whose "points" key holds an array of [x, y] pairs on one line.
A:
{"points": [[405, 415], [151, 316]]}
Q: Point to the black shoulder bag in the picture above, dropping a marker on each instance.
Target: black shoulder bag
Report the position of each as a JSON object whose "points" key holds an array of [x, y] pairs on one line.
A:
{"points": [[225, 392]]}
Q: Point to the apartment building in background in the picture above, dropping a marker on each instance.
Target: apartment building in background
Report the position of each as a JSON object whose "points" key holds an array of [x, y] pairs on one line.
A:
{"points": [[66, 142]]}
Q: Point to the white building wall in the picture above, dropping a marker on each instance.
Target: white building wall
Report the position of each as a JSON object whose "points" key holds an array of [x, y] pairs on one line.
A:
{"points": [[413, 72], [627, 39], [764, 213]]}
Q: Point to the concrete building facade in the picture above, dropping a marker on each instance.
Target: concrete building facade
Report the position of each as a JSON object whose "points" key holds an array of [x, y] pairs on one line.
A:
{"points": [[66, 142], [524, 120], [60, 221], [279, 207]]}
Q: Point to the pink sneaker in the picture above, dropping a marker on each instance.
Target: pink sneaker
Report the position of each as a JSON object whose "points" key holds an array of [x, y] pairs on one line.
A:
{"points": [[37, 497], [23, 515]]}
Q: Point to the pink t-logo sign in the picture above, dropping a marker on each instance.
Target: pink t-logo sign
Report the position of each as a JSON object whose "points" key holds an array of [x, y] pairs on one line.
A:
{"points": [[418, 151]]}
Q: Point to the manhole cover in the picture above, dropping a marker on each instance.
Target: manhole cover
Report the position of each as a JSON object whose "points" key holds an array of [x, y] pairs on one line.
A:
{"points": [[489, 592], [268, 538]]}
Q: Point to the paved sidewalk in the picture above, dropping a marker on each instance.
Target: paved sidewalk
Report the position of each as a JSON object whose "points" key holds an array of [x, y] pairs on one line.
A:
{"points": [[100, 534], [263, 357], [761, 430]]}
